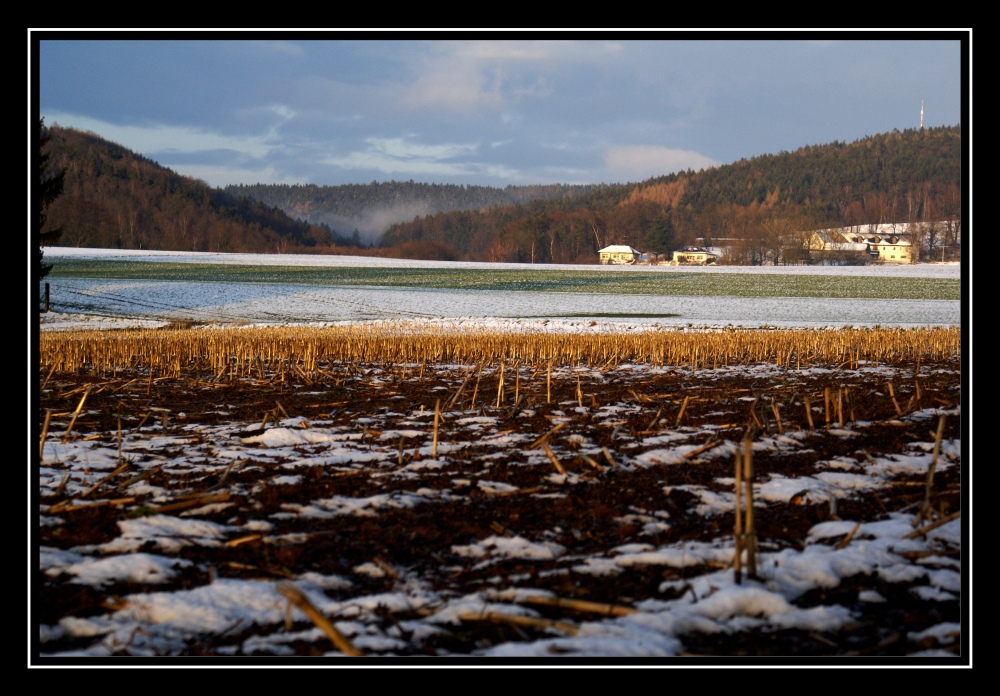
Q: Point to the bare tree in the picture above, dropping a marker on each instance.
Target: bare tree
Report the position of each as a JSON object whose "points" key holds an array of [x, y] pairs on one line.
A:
{"points": [[597, 236], [952, 221], [777, 235], [931, 228]]}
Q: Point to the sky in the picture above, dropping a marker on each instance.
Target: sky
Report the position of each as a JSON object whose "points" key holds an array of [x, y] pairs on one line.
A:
{"points": [[488, 108]]}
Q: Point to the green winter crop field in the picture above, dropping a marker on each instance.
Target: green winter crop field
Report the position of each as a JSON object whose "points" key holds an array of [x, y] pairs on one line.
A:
{"points": [[669, 282]]}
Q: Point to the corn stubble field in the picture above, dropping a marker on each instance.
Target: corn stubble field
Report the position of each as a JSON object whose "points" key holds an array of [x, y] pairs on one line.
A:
{"points": [[402, 461]]}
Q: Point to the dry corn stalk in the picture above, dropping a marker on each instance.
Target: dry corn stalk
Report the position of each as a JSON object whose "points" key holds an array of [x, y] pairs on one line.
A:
{"points": [[437, 420], [933, 525], [76, 413], [681, 413], [745, 531], [925, 507], [546, 435], [45, 431], [579, 605], [738, 521], [500, 394], [847, 539], [241, 351], [704, 448], [553, 459], [519, 620], [548, 384], [751, 529], [296, 597], [899, 411]]}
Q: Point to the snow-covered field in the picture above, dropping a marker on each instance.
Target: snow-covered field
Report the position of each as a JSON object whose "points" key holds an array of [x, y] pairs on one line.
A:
{"points": [[119, 297]]}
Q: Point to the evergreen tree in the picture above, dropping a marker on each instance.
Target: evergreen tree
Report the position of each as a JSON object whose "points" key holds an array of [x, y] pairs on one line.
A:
{"points": [[49, 190], [661, 238]]}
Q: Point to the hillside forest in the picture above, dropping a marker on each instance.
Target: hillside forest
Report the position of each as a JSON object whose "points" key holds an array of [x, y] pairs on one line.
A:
{"points": [[114, 198]]}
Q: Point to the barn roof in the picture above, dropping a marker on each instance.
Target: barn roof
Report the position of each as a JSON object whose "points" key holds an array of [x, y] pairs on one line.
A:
{"points": [[620, 249]]}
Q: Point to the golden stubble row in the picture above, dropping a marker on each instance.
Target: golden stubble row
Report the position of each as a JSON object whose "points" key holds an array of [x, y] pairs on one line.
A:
{"points": [[239, 350]]}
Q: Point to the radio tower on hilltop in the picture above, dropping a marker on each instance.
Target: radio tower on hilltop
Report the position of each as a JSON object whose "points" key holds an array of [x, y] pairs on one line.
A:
{"points": [[921, 114]]}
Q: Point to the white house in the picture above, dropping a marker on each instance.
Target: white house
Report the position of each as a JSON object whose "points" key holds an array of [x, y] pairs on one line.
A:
{"points": [[694, 256], [883, 244], [890, 248], [620, 254]]}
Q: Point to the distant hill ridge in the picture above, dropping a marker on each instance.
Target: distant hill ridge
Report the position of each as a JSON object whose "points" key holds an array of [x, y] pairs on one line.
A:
{"points": [[114, 198], [909, 176], [371, 208]]}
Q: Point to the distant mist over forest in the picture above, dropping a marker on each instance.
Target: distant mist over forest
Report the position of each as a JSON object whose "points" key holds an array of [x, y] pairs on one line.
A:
{"points": [[371, 209]]}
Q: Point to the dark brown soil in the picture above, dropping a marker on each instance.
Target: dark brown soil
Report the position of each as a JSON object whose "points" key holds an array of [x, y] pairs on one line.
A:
{"points": [[598, 510]]}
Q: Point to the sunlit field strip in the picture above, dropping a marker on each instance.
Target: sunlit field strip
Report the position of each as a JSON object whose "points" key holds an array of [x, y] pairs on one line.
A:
{"points": [[674, 283], [246, 351]]}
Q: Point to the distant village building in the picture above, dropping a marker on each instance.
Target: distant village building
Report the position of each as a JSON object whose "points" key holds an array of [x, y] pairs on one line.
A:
{"points": [[841, 246], [620, 254], [654, 259], [692, 255], [891, 248], [830, 240], [888, 247]]}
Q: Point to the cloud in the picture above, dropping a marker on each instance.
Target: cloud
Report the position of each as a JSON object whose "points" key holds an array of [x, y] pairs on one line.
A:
{"points": [[500, 171], [405, 149], [454, 86], [222, 176], [158, 138], [637, 162], [464, 76], [534, 51], [285, 112], [403, 156], [285, 47], [506, 50]]}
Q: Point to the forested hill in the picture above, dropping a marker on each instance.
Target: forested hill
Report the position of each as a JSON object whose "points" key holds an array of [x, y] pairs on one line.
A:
{"points": [[369, 209], [115, 198], [904, 176]]}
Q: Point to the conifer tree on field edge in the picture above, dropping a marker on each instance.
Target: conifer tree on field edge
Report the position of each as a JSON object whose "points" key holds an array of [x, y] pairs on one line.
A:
{"points": [[50, 188]]}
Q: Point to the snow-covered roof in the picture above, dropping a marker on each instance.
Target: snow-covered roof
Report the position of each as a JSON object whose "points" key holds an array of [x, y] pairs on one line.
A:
{"points": [[846, 246], [619, 249], [867, 233], [696, 250], [900, 241], [830, 236]]}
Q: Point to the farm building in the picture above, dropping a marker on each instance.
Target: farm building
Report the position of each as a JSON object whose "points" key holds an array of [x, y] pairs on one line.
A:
{"points": [[620, 254], [844, 245], [890, 248], [692, 255]]}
